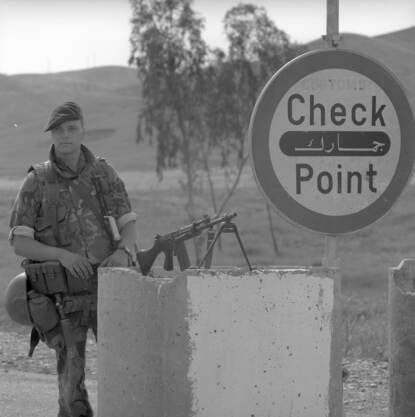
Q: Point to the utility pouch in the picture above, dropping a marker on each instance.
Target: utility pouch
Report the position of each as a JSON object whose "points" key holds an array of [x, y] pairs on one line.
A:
{"points": [[52, 278], [77, 285], [47, 277], [43, 311]]}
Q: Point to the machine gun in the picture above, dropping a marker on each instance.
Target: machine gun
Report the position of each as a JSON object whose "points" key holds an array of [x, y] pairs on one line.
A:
{"points": [[173, 244]]}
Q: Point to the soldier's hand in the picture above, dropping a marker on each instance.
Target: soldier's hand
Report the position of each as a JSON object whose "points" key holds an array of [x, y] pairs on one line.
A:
{"points": [[76, 264]]}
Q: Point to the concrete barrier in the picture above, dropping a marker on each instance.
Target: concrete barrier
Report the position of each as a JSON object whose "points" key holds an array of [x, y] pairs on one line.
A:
{"points": [[401, 317], [222, 342]]}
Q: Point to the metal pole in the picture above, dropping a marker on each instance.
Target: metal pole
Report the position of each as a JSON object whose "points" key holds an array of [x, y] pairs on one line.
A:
{"points": [[332, 36], [401, 313], [330, 256], [330, 252]]}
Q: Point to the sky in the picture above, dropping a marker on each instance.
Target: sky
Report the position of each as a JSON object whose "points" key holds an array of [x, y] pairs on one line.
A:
{"points": [[43, 36]]}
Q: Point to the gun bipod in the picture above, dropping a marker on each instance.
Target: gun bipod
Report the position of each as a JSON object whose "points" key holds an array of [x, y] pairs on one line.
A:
{"points": [[226, 227]]}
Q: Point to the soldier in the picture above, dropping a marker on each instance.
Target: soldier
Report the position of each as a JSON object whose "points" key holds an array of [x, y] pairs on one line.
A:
{"points": [[72, 209]]}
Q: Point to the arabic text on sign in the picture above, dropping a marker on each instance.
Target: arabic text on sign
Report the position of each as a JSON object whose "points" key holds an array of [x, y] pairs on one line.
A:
{"points": [[332, 143]]}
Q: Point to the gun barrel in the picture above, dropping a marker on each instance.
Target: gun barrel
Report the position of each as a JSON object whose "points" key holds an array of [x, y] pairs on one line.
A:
{"points": [[193, 227], [196, 228], [225, 218]]}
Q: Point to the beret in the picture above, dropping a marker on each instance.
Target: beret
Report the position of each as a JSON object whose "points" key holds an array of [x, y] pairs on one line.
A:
{"points": [[63, 113]]}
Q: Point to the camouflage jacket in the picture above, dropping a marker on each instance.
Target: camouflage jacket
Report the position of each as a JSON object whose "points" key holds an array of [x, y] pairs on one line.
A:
{"points": [[80, 229]]}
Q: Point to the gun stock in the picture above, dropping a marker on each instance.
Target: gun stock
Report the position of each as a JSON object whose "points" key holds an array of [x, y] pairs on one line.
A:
{"points": [[146, 259]]}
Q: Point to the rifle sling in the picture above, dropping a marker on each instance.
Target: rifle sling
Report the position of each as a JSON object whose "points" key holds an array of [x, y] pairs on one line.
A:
{"points": [[52, 197], [52, 209]]}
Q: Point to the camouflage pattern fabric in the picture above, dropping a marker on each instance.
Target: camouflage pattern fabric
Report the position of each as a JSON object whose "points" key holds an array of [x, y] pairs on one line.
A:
{"points": [[80, 230], [73, 396]]}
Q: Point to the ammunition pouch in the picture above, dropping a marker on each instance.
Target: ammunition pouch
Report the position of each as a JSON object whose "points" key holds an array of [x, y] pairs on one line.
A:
{"points": [[51, 277], [53, 293], [42, 311], [48, 323]]}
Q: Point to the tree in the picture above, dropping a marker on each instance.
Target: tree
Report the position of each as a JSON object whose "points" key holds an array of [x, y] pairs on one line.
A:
{"points": [[257, 48], [196, 102], [168, 50]]}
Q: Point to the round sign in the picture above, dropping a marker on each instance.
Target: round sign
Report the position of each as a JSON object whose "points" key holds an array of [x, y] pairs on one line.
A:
{"points": [[332, 141]]}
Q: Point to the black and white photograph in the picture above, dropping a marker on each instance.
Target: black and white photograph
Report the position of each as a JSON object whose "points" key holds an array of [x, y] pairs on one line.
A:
{"points": [[207, 208]]}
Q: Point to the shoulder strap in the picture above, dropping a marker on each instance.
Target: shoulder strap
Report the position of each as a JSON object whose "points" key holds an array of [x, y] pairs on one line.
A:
{"points": [[49, 178], [101, 173]]}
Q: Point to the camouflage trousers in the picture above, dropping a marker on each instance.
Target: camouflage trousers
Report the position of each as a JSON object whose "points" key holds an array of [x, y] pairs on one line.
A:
{"points": [[73, 395]]}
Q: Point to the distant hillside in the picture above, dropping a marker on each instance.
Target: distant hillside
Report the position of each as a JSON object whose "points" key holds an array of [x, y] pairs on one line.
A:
{"points": [[104, 79], [403, 38], [393, 54], [109, 97]]}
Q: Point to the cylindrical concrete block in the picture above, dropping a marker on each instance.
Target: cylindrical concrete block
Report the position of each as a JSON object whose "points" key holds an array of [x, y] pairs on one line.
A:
{"points": [[222, 342], [402, 339]]}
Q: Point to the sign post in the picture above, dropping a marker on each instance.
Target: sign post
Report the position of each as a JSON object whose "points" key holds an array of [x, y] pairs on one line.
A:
{"points": [[330, 259], [332, 35]]}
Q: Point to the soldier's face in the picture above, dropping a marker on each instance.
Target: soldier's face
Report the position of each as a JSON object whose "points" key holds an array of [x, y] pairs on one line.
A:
{"points": [[68, 137]]}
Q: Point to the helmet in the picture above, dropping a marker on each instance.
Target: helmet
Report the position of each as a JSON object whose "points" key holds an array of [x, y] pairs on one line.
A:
{"points": [[16, 300]]}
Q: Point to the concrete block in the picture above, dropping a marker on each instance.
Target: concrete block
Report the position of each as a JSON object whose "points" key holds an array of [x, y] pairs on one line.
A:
{"points": [[222, 342], [401, 318]]}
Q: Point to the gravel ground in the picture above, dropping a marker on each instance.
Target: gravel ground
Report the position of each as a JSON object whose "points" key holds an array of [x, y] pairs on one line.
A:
{"points": [[365, 391], [15, 346], [27, 394]]}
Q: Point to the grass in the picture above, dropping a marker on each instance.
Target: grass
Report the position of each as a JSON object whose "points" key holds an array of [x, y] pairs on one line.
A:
{"points": [[365, 256], [364, 326]]}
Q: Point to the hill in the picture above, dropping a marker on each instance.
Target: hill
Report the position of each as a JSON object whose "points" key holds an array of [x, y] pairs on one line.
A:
{"points": [[394, 50], [109, 97], [403, 38]]}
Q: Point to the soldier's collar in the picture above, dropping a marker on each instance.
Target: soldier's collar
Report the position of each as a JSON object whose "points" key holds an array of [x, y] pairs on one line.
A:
{"points": [[86, 158]]}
